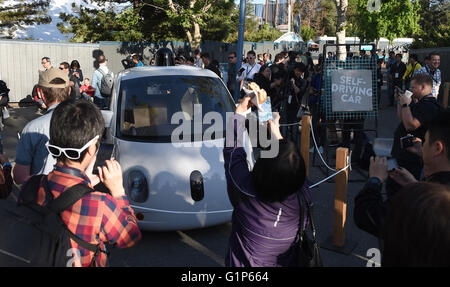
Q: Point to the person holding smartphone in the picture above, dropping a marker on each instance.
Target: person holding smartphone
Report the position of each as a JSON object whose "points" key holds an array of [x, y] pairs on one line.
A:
{"points": [[97, 218], [415, 118]]}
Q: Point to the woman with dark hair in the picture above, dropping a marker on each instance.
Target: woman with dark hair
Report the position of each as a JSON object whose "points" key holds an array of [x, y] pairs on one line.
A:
{"points": [[76, 72], [417, 227], [266, 208]]}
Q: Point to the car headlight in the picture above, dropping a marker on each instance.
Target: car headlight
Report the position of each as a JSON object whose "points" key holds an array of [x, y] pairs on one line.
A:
{"points": [[137, 188]]}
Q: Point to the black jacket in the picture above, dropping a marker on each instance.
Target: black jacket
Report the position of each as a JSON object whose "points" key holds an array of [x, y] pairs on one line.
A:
{"points": [[370, 209]]}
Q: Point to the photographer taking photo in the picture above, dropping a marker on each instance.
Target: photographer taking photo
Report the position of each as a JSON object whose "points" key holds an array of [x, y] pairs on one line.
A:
{"points": [[97, 218], [415, 114], [370, 209], [296, 88], [266, 208]]}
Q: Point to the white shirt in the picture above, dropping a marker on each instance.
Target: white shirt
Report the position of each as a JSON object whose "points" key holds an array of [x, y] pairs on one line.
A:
{"points": [[249, 71]]}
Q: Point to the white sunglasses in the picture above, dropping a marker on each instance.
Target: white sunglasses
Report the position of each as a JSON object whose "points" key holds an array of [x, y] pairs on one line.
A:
{"points": [[70, 153]]}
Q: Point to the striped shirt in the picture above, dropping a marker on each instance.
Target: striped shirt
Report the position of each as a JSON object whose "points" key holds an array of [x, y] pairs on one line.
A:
{"points": [[435, 76], [95, 218]]}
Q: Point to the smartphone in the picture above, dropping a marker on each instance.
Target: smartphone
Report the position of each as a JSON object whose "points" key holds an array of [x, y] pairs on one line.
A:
{"points": [[241, 70]]}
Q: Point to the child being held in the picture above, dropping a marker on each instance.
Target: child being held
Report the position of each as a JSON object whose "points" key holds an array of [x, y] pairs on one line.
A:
{"points": [[87, 91]]}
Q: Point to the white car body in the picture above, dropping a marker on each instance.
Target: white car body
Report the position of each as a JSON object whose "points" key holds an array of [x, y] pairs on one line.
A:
{"points": [[167, 167]]}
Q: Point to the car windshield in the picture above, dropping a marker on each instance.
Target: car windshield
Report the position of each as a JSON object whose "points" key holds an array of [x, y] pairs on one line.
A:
{"points": [[147, 105]]}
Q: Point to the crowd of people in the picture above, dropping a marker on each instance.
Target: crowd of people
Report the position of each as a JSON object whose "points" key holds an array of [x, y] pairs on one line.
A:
{"points": [[63, 144]]}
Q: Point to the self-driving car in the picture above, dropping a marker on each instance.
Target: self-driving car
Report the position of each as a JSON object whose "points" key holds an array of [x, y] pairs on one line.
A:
{"points": [[159, 123]]}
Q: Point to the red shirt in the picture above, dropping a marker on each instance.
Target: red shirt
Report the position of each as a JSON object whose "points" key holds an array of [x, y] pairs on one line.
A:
{"points": [[96, 218], [88, 90]]}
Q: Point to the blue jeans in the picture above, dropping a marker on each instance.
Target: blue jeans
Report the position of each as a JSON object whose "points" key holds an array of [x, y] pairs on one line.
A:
{"points": [[102, 104]]}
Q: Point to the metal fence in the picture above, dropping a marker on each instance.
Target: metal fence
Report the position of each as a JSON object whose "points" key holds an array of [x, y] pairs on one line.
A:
{"points": [[21, 60]]}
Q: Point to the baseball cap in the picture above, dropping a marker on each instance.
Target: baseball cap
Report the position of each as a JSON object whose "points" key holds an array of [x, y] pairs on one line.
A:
{"points": [[49, 75]]}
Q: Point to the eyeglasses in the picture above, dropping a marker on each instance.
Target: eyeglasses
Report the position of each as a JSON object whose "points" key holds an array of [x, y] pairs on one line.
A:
{"points": [[231, 57], [251, 58], [70, 153], [61, 68]]}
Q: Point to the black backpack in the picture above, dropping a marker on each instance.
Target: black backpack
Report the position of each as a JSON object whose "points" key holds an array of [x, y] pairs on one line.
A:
{"points": [[35, 235], [4, 93]]}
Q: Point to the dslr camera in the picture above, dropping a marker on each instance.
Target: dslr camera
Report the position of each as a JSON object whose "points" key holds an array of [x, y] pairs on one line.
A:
{"points": [[407, 141]]}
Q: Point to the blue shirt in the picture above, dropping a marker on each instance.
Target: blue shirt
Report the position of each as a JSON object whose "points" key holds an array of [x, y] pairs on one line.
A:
{"points": [[97, 81], [436, 77], [139, 64], [31, 150]]}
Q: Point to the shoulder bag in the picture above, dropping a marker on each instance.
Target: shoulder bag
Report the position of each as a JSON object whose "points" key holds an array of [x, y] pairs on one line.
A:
{"points": [[306, 250]]}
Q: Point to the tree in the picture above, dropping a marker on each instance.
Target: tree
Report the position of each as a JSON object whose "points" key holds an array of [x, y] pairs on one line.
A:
{"points": [[394, 19], [307, 33], [309, 11], [253, 31], [341, 7], [434, 24], [92, 25], [153, 20], [188, 15], [14, 16]]}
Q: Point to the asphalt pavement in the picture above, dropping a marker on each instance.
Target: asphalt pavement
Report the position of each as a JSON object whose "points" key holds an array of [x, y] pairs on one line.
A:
{"points": [[207, 247]]}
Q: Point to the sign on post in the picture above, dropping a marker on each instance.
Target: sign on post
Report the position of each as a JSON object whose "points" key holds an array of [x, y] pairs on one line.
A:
{"points": [[351, 90]]}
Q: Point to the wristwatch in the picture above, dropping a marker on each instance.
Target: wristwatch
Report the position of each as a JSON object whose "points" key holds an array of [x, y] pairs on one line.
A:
{"points": [[405, 105], [374, 181]]}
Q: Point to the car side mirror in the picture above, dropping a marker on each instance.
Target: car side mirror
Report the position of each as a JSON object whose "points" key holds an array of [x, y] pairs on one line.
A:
{"points": [[107, 117]]}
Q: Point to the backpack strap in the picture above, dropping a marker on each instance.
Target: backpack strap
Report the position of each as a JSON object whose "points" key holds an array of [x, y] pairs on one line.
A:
{"points": [[69, 197], [29, 191]]}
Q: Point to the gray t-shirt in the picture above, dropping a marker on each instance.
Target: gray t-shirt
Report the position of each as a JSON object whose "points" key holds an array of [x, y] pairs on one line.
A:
{"points": [[31, 148]]}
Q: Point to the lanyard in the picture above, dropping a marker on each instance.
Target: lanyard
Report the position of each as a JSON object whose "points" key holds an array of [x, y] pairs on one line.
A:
{"points": [[431, 75], [247, 71]]}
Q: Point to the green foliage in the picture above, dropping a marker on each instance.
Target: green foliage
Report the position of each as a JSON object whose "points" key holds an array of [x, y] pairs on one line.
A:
{"points": [[434, 23], [253, 32], [399, 18], [153, 20], [307, 33], [91, 25], [221, 22], [19, 13]]}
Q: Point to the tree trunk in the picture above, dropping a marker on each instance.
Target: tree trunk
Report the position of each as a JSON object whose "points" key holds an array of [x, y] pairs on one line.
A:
{"points": [[267, 11], [275, 18], [341, 7], [197, 36], [194, 37]]}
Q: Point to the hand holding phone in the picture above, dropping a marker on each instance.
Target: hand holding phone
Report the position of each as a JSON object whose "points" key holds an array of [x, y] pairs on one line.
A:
{"points": [[241, 70]]}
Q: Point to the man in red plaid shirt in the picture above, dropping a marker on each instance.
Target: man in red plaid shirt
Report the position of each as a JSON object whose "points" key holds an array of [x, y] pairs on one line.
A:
{"points": [[97, 218]]}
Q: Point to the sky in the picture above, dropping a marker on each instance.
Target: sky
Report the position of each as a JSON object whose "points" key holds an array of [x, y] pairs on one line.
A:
{"points": [[49, 32]]}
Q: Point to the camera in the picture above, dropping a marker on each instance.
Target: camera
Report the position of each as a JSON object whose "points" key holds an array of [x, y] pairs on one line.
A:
{"points": [[407, 141]]}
